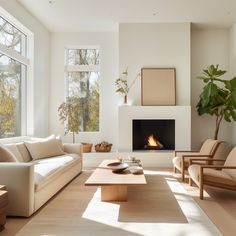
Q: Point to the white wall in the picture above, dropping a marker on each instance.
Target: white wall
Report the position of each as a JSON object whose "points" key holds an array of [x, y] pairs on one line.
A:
{"points": [[108, 43], [156, 45], [208, 46], [233, 67], [41, 63]]}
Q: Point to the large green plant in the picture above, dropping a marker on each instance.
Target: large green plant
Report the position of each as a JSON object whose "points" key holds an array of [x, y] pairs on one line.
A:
{"points": [[69, 113], [218, 96]]}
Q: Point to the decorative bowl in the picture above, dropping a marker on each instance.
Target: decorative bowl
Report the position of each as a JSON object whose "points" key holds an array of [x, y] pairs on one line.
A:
{"points": [[118, 166]]}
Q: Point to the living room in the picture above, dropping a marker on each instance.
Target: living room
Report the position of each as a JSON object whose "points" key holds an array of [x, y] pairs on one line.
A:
{"points": [[185, 36]]}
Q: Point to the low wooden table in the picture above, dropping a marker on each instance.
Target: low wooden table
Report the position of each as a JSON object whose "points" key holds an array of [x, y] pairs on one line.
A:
{"points": [[114, 186], [3, 206]]}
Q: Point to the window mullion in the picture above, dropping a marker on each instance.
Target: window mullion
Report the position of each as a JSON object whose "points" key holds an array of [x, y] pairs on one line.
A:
{"points": [[90, 68], [14, 55]]}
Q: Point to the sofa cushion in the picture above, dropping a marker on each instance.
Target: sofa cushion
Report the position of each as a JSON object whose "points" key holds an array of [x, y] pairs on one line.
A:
{"points": [[6, 155], [44, 148], [24, 152], [46, 170], [14, 150]]}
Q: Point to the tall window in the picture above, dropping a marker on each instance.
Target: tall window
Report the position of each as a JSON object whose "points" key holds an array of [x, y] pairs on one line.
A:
{"points": [[82, 79], [14, 65]]}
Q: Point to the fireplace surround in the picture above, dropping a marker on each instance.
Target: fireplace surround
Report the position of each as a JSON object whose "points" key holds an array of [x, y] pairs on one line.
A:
{"points": [[180, 114]]}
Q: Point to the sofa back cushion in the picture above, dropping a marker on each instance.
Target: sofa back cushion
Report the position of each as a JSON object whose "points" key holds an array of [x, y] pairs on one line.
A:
{"points": [[44, 148], [24, 152], [14, 150], [208, 146], [231, 161], [6, 155]]}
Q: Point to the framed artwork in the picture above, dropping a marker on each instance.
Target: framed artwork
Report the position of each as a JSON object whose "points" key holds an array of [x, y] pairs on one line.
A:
{"points": [[158, 87]]}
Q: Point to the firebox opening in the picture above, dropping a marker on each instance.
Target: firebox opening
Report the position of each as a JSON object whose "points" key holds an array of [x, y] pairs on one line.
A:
{"points": [[153, 134]]}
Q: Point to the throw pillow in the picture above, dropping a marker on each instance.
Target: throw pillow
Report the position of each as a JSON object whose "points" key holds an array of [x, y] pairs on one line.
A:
{"points": [[6, 156], [44, 148]]}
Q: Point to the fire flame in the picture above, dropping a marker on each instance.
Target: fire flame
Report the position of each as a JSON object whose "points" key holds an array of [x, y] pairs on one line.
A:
{"points": [[152, 142]]}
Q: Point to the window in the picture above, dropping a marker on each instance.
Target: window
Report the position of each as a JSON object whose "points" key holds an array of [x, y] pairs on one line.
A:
{"points": [[14, 72], [82, 79]]}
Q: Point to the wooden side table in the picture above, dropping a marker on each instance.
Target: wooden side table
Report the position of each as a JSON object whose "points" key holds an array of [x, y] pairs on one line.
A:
{"points": [[3, 206]]}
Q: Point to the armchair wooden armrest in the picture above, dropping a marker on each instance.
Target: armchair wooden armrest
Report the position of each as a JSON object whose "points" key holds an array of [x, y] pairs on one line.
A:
{"points": [[195, 160], [182, 151], [199, 159], [217, 167]]}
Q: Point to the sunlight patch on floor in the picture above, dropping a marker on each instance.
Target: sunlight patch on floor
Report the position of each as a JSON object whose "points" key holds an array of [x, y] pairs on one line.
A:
{"points": [[107, 213]]}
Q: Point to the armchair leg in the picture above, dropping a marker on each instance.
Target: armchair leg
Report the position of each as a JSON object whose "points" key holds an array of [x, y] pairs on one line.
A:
{"points": [[174, 169], [190, 181], [182, 176], [201, 191], [201, 183]]}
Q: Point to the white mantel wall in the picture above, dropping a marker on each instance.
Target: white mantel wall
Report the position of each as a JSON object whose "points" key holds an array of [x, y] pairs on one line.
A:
{"points": [[208, 46], [41, 64], [108, 43], [156, 45]]}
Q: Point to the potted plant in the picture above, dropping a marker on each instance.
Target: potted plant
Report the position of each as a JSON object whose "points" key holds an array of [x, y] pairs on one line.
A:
{"points": [[122, 84], [218, 97], [69, 114]]}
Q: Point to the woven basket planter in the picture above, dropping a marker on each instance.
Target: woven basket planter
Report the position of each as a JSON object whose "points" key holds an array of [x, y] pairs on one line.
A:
{"points": [[103, 147], [87, 147]]}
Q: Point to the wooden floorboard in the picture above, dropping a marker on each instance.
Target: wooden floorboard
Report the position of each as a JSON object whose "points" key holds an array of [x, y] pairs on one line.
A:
{"points": [[72, 211]]}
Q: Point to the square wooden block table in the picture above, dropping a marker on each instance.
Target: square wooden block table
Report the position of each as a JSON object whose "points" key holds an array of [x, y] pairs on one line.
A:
{"points": [[114, 186]]}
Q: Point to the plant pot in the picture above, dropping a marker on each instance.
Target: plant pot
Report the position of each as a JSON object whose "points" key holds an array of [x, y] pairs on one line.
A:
{"points": [[86, 147]]}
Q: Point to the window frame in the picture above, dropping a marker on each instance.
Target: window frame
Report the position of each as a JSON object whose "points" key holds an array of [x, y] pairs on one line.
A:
{"points": [[27, 60], [82, 68]]}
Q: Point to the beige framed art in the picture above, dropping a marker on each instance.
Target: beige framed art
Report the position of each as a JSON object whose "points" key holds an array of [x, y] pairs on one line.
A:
{"points": [[158, 87]]}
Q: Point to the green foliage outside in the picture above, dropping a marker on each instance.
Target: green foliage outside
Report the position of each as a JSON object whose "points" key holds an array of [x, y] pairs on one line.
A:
{"points": [[218, 97]]}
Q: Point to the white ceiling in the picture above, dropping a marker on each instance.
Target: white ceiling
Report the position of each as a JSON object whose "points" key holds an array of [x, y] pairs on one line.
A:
{"points": [[105, 15]]}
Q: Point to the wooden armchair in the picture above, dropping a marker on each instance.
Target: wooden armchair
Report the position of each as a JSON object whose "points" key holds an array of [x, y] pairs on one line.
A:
{"points": [[181, 158], [221, 176]]}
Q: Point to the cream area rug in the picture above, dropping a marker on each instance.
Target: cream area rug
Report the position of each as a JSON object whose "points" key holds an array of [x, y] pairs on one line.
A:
{"points": [[162, 207]]}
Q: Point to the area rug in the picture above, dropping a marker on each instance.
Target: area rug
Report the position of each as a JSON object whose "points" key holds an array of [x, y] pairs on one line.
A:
{"points": [[161, 207]]}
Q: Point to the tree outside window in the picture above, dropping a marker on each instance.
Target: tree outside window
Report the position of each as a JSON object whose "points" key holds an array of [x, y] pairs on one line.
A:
{"points": [[82, 76], [12, 79]]}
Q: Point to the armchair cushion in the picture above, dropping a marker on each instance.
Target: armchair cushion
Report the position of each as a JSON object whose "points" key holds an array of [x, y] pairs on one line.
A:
{"points": [[211, 175], [178, 159], [208, 146], [231, 161]]}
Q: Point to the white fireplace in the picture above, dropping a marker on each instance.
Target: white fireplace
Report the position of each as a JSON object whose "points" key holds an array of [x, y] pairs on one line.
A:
{"points": [[181, 115]]}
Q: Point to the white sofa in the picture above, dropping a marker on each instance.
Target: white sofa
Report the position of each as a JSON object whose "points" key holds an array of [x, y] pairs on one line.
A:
{"points": [[31, 183]]}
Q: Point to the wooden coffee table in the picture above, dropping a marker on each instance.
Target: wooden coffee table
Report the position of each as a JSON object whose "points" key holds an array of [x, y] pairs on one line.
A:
{"points": [[114, 186]]}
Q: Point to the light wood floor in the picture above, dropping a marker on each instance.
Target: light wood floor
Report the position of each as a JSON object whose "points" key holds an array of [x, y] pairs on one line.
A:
{"points": [[71, 212]]}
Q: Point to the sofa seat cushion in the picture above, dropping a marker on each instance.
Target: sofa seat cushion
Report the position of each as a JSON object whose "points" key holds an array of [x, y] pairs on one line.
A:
{"points": [[48, 169], [211, 175]]}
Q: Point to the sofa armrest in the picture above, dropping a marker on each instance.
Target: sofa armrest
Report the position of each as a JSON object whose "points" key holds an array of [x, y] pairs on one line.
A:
{"points": [[19, 180], [73, 148]]}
